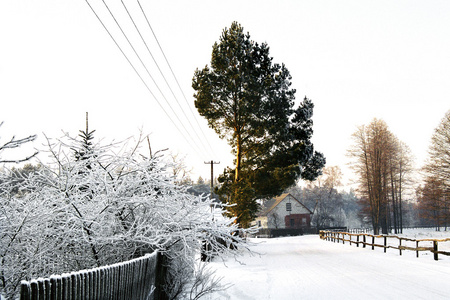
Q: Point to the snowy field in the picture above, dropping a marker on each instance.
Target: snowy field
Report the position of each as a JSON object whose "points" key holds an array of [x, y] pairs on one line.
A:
{"points": [[307, 267]]}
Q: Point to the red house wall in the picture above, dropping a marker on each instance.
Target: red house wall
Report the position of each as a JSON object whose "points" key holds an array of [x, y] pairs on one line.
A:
{"points": [[297, 220]]}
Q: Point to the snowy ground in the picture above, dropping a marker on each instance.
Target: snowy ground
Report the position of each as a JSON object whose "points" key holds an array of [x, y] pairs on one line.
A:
{"points": [[306, 267]]}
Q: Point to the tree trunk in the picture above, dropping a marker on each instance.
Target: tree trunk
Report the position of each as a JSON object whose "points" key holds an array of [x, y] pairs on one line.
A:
{"points": [[238, 156]]}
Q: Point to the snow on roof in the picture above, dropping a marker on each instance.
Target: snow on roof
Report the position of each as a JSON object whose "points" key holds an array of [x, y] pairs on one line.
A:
{"points": [[269, 205]]}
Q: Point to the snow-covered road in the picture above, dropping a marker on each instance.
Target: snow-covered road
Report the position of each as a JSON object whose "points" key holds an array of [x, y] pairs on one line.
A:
{"points": [[309, 268]]}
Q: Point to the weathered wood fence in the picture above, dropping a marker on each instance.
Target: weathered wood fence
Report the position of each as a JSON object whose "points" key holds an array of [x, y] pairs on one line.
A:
{"points": [[373, 241], [135, 279]]}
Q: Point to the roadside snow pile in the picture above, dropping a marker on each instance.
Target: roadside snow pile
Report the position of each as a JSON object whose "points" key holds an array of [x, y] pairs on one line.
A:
{"points": [[429, 233], [426, 233], [306, 267]]}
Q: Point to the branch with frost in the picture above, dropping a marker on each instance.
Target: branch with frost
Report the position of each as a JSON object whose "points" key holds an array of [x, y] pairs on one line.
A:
{"points": [[205, 282], [14, 143], [111, 206]]}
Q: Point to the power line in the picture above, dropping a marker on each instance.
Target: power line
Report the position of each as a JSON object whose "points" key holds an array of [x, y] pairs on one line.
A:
{"points": [[148, 72], [145, 67], [135, 70], [173, 74], [162, 74]]}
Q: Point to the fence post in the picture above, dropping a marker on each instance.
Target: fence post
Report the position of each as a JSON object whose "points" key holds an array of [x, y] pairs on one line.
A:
{"points": [[385, 244], [161, 274], [25, 291], [435, 249], [417, 247], [83, 284], [65, 286], [54, 287], [400, 246], [41, 288], [357, 240], [373, 242], [364, 240], [47, 288], [34, 289]]}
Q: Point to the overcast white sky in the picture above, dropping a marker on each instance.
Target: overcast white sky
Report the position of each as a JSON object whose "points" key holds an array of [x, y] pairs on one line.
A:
{"points": [[356, 60]]}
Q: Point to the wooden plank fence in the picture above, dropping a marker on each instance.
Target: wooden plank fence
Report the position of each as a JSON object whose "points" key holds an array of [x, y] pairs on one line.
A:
{"points": [[134, 279], [365, 239]]}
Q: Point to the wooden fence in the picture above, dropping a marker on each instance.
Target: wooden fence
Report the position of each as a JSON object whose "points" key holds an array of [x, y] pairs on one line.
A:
{"points": [[373, 241], [135, 279]]}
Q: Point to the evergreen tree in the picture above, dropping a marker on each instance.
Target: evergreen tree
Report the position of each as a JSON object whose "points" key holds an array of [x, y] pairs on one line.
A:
{"points": [[247, 99], [436, 190], [85, 148], [84, 153], [438, 163]]}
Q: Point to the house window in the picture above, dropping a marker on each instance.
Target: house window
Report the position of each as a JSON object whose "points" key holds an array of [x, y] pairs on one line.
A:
{"points": [[288, 207], [304, 221], [259, 223]]}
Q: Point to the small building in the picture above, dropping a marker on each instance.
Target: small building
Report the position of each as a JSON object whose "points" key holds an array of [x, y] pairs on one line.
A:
{"points": [[284, 212]]}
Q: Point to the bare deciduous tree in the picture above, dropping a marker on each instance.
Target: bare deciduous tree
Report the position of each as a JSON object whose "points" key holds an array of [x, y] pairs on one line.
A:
{"points": [[381, 163], [179, 169], [275, 220], [328, 208]]}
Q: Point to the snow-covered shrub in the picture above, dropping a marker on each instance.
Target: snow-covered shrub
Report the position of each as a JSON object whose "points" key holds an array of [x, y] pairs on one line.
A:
{"points": [[104, 205]]}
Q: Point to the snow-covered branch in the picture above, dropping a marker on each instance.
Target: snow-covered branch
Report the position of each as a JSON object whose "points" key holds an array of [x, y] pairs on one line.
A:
{"points": [[14, 143], [109, 205]]}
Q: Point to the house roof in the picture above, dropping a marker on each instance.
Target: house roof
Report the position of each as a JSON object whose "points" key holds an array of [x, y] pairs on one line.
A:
{"points": [[269, 205]]}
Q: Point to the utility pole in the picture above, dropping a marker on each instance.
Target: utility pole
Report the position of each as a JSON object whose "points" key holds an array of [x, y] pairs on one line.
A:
{"points": [[212, 173]]}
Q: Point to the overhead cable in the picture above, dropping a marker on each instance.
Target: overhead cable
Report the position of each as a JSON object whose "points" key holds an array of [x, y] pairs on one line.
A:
{"points": [[173, 74], [162, 74], [137, 72]]}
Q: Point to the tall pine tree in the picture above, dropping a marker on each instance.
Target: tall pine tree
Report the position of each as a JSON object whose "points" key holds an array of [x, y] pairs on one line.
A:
{"points": [[247, 99]]}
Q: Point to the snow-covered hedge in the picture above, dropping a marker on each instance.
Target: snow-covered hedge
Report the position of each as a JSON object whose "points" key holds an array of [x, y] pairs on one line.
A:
{"points": [[109, 204]]}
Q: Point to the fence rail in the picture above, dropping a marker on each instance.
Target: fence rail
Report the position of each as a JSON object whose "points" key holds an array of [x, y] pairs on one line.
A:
{"points": [[134, 279], [370, 240]]}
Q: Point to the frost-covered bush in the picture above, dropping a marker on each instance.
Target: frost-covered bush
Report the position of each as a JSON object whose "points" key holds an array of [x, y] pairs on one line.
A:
{"points": [[104, 205]]}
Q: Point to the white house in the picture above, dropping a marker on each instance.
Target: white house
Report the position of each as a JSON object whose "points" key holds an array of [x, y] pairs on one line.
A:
{"points": [[284, 212]]}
